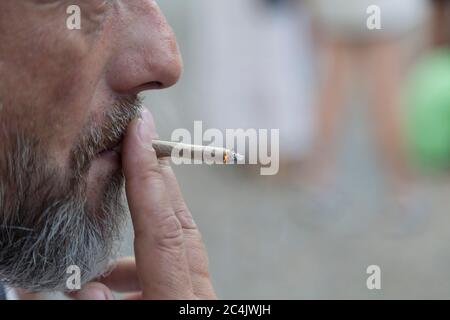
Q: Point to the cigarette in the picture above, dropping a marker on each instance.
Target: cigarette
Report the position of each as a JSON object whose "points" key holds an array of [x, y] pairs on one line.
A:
{"points": [[166, 149]]}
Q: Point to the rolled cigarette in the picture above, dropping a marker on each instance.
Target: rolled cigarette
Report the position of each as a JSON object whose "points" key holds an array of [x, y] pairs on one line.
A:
{"points": [[165, 149]]}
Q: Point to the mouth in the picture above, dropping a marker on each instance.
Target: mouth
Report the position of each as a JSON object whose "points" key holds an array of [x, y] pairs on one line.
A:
{"points": [[116, 148], [113, 146], [110, 157]]}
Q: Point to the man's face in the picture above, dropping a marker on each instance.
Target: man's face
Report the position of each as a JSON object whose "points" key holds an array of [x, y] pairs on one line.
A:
{"points": [[66, 98]]}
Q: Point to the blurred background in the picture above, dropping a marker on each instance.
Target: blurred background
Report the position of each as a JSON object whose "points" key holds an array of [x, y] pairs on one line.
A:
{"points": [[364, 119]]}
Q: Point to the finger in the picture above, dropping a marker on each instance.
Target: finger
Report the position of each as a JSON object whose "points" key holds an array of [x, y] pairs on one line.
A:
{"points": [[175, 196], [133, 296], [195, 248], [123, 276], [161, 259], [92, 291]]}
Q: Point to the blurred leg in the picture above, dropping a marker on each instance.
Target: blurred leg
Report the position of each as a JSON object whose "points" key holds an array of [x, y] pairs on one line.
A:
{"points": [[385, 76], [331, 94], [440, 22]]}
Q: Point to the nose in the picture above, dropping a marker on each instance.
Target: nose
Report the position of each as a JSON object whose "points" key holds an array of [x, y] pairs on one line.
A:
{"points": [[146, 54]]}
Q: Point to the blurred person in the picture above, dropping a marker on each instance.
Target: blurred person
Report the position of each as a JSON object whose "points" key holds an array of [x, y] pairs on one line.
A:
{"points": [[68, 98], [441, 22], [428, 98], [428, 102], [255, 65], [346, 42]]}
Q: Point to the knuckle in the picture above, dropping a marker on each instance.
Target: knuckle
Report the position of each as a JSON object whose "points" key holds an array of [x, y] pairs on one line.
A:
{"points": [[200, 266], [185, 218], [194, 235], [164, 163], [146, 170], [169, 233]]}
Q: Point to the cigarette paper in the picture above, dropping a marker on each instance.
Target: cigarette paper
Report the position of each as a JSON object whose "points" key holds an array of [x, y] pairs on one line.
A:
{"points": [[165, 149]]}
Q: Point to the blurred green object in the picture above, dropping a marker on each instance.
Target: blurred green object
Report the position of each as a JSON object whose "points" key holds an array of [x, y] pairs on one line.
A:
{"points": [[428, 102]]}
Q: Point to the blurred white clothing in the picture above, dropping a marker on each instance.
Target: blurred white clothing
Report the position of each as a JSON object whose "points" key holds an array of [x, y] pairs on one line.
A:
{"points": [[348, 18], [256, 69]]}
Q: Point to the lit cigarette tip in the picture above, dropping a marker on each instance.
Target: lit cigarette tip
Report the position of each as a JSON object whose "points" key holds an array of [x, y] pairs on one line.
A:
{"points": [[236, 156]]}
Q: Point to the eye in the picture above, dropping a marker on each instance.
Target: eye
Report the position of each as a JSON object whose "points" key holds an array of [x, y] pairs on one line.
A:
{"points": [[46, 2], [96, 6], [93, 4]]}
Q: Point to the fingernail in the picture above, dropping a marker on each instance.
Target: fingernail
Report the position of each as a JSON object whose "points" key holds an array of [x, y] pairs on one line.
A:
{"points": [[147, 129]]}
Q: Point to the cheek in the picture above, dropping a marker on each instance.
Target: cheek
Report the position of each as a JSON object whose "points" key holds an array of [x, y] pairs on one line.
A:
{"points": [[50, 86]]}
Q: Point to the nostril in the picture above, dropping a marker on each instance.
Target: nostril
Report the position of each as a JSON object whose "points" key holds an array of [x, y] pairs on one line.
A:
{"points": [[153, 85]]}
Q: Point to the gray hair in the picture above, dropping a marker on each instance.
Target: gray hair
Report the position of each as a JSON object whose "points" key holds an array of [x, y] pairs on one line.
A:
{"points": [[46, 224]]}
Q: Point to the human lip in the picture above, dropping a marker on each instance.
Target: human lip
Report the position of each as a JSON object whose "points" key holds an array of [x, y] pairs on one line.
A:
{"points": [[112, 148], [107, 160], [117, 148], [111, 156]]}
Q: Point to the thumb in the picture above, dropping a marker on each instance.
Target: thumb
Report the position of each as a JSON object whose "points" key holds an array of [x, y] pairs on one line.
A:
{"points": [[161, 260], [145, 187]]}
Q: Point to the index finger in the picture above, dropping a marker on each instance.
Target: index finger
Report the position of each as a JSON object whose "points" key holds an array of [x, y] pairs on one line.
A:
{"points": [[195, 248]]}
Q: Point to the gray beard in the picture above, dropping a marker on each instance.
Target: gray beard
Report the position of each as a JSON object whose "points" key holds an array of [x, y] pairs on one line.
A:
{"points": [[46, 224]]}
